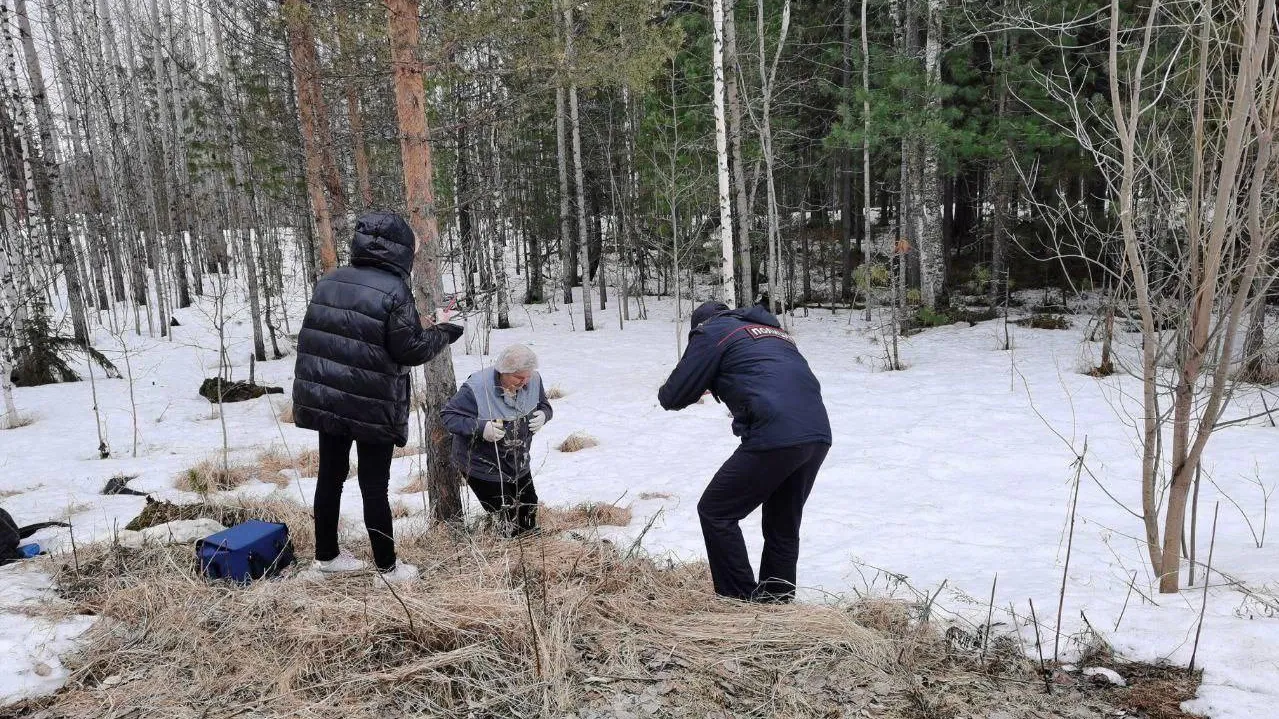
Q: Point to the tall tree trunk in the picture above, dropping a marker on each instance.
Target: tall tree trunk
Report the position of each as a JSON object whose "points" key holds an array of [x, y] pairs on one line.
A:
{"points": [[868, 238], [419, 196], [168, 114], [305, 70], [767, 79], [727, 291], [567, 261], [1004, 185], [583, 236], [354, 111], [733, 73], [1254, 357], [847, 221], [48, 179], [497, 236], [932, 258]]}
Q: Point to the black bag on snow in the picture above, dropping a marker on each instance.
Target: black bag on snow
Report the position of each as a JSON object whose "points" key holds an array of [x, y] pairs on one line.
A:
{"points": [[11, 535]]}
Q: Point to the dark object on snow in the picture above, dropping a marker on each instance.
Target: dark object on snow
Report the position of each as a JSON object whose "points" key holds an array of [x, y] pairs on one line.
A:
{"points": [[234, 391], [11, 535], [360, 336], [40, 354], [159, 512], [120, 485], [173, 321], [245, 552]]}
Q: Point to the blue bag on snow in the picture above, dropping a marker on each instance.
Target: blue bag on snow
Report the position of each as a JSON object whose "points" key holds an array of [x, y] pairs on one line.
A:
{"points": [[250, 550]]}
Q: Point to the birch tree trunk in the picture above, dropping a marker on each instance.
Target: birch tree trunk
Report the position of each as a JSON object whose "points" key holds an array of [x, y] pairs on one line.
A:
{"points": [[9, 302], [727, 290], [932, 258], [498, 236], [48, 180], [583, 236], [733, 73], [428, 286]]}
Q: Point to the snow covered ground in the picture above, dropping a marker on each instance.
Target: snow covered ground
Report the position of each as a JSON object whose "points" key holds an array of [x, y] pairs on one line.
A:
{"points": [[955, 470]]}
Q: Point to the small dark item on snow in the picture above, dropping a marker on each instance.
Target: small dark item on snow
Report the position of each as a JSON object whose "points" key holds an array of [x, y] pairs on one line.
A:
{"points": [[234, 391], [11, 535], [120, 485], [245, 552], [173, 322]]}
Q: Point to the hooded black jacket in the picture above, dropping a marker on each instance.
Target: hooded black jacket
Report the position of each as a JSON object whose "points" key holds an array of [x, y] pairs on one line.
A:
{"points": [[747, 361], [360, 336]]}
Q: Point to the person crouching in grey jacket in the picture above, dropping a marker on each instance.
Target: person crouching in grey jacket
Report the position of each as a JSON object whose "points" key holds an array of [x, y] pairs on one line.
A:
{"points": [[493, 418], [360, 337]]}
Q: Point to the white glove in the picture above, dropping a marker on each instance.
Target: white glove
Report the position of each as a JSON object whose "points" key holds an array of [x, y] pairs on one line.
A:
{"points": [[443, 315], [536, 421], [493, 430]]}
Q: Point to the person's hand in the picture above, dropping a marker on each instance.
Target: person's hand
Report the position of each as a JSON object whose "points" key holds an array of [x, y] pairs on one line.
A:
{"points": [[493, 430], [443, 314], [536, 421]]}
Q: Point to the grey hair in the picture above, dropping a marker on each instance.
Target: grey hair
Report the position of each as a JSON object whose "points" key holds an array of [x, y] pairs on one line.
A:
{"points": [[516, 358]]}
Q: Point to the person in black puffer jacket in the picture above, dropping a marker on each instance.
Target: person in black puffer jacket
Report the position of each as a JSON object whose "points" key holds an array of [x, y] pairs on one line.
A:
{"points": [[745, 359], [360, 336]]}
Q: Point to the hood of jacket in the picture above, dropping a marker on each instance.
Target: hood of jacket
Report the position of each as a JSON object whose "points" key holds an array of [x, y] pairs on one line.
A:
{"points": [[385, 241], [704, 312], [756, 314]]}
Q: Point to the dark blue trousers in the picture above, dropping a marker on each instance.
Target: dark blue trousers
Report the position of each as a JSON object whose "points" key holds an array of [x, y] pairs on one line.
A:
{"points": [[778, 479]]}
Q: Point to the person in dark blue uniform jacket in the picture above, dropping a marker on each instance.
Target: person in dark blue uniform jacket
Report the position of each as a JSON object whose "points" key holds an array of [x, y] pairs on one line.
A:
{"points": [[746, 360]]}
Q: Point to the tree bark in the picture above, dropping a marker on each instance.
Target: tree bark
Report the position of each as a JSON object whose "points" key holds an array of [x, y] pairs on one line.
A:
{"points": [[419, 196], [932, 258], [566, 233], [727, 290], [305, 69], [733, 73], [583, 236], [48, 180]]}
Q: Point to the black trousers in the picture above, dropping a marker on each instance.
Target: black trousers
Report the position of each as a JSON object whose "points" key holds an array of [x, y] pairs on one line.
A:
{"points": [[374, 476], [512, 501], [778, 479]]}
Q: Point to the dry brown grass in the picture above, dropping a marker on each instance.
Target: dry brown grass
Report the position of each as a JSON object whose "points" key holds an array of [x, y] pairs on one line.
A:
{"points": [[1265, 374], [75, 508], [211, 475], [275, 460], [577, 441], [587, 514], [286, 413], [416, 484], [7, 493], [655, 495], [411, 450], [544, 626], [555, 392]]}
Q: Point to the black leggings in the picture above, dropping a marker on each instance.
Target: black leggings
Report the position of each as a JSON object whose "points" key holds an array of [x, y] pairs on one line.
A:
{"points": [[513, 502], [374, 476]]}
